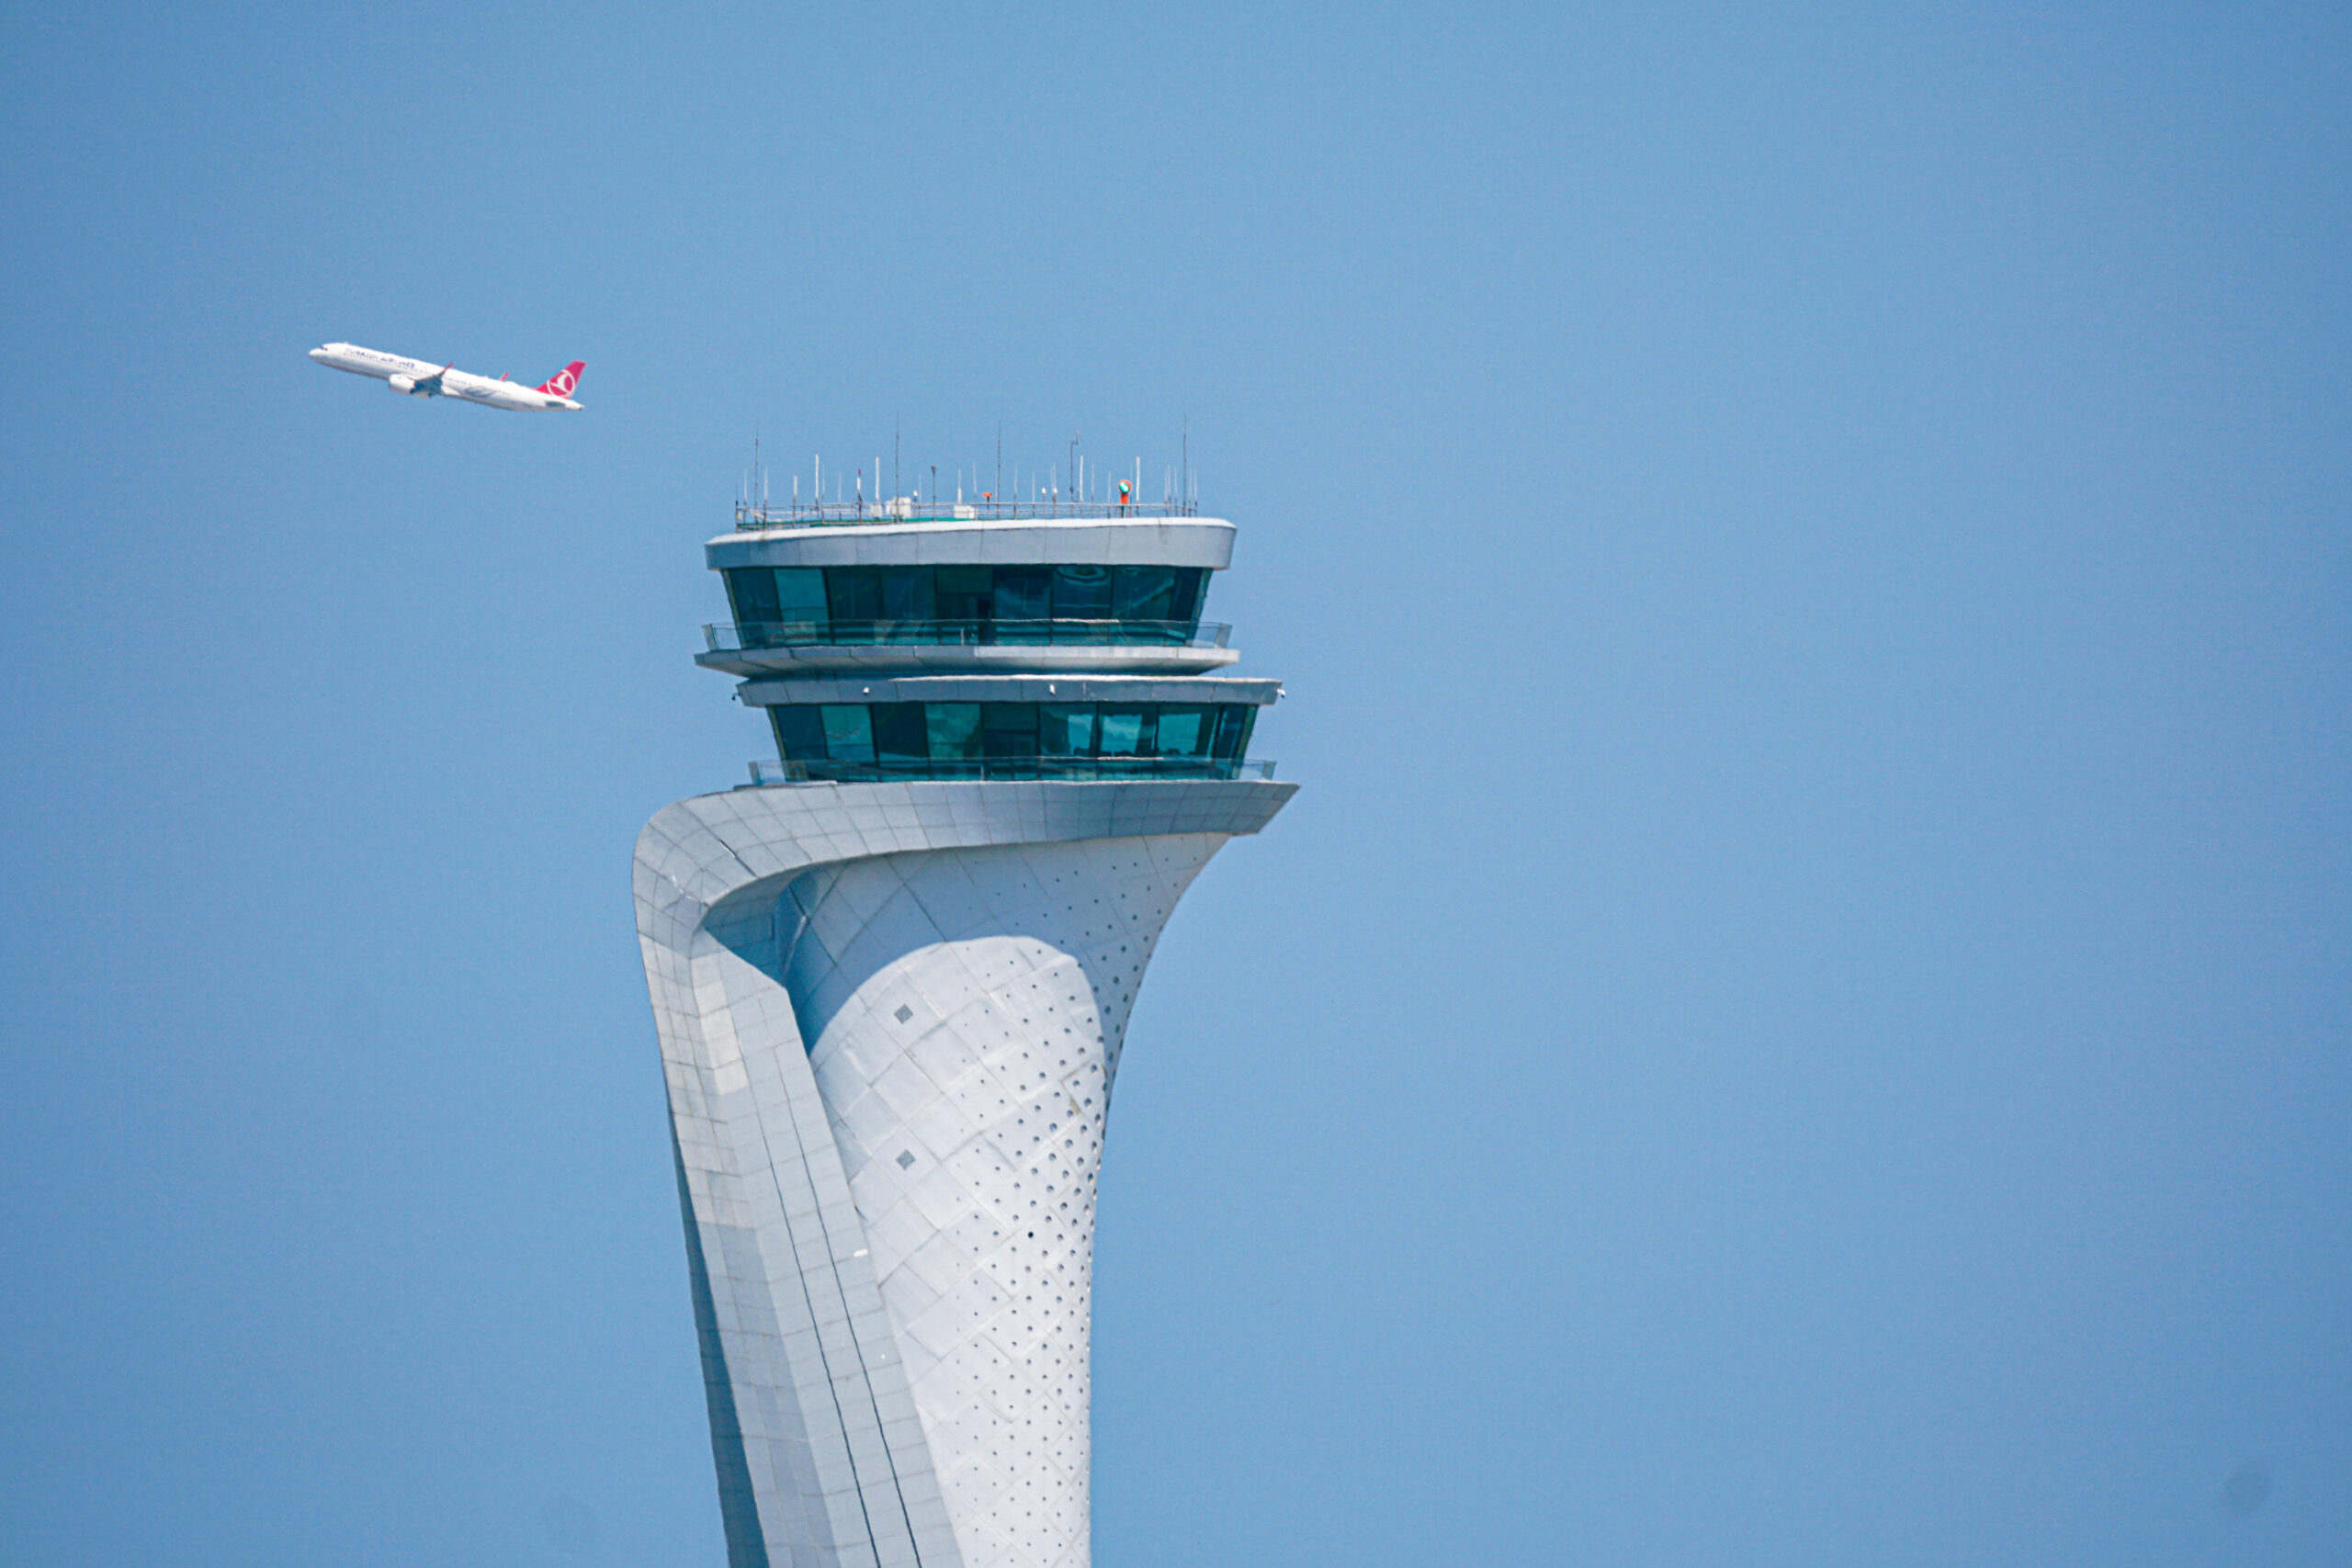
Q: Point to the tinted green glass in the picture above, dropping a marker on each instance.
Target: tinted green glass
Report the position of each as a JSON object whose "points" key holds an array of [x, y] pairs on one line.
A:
{"points": [[1023, 594], [1191, 588], [849, 732], [1014, 740], [1184, 729], [1065, 731], [1009, 729], [751, 592], [800, 595], [1144, 594], [962, 591], [1127, 730], [1082, 592], [800, 734], [965, 604], [855, 592], [1009, 736], [954, 732], [907, 593], [900, 734], [1232, 728]]}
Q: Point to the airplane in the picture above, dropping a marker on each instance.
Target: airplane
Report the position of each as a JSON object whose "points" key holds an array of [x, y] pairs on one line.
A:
{"points": [[418, 378]]}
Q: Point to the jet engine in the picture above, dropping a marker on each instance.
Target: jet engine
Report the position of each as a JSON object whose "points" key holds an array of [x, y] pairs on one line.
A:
{"points": [[404, 384]]}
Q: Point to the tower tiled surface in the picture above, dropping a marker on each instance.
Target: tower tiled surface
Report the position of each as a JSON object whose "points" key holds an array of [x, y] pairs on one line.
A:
{"points": [[891, 1013]]}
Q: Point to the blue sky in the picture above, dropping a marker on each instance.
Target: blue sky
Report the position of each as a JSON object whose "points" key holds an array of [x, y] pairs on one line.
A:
{"points": [[1799, 1019]]}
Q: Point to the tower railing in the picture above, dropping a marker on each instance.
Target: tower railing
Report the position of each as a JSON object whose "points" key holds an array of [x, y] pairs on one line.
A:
{"points": [[822, 769], [755, 515], [724, 637]]}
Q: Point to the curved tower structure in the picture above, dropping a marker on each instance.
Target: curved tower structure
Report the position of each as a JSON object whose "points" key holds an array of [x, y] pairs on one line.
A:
{"points": [[891, 978]]}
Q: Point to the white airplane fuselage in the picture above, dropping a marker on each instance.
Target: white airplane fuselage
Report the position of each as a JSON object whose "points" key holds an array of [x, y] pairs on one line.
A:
{"points": [[418, 378]]}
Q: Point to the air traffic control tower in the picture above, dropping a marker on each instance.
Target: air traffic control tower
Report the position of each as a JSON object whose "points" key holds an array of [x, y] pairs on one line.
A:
{"points": [[891, 977]]}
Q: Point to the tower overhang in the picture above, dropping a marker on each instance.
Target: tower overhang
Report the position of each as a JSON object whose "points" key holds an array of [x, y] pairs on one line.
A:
{"points": [[1060, 687], [1069, 541]]}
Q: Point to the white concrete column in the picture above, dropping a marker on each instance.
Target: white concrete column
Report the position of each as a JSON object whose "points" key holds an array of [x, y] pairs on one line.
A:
{"points": [[891, 1016]]}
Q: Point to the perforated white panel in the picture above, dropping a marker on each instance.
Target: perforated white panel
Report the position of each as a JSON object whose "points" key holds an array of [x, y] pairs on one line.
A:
{"points": [[964, 1010], [823, 1460]]}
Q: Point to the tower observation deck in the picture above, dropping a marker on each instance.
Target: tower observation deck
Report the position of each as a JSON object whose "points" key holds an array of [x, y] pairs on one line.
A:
{"points": [[891, 978]]}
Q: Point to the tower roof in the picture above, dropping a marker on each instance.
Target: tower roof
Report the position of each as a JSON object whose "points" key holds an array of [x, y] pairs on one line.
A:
{"points": [[1055, 541]]}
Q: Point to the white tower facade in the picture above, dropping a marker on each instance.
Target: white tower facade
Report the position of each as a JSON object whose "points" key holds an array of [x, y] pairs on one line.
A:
{"points": [[891, 978]]}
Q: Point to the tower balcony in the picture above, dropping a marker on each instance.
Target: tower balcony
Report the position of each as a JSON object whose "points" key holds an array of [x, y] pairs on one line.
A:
{"points": [[1064, 727], [1049, 769], [1095, 646]]}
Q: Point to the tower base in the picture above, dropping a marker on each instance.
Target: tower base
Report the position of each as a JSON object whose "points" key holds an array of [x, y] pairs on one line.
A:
{"points": [[890, 1017]]}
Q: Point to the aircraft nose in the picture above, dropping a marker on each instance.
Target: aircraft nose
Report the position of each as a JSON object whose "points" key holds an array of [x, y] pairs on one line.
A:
{"points": [[318, 354]]}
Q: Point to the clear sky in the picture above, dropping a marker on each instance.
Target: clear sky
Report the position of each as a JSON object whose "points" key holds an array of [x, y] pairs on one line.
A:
{"points": [[1800, 1017]]}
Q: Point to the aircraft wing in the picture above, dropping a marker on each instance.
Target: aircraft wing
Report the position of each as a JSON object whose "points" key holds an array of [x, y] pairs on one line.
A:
{"points": [[430, 385]]}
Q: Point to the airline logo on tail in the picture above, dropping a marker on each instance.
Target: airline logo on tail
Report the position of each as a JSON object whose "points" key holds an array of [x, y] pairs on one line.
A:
{"points": [[420, 378]]}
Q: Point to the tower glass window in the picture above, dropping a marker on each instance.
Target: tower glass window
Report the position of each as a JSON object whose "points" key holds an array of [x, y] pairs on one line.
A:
{"points": [[851, 605], [752, 595], [855, 595], [1023, 594], [963, 594], [901, 738], [949, 740], [1144, 594], [1184, 729], [1082, 592], [953, 731], [907, 600], [800, 600], [849, 731], [1066, 730]]}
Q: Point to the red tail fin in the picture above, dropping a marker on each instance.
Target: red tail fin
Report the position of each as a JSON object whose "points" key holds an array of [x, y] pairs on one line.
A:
{"points": [[564, 381]]}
